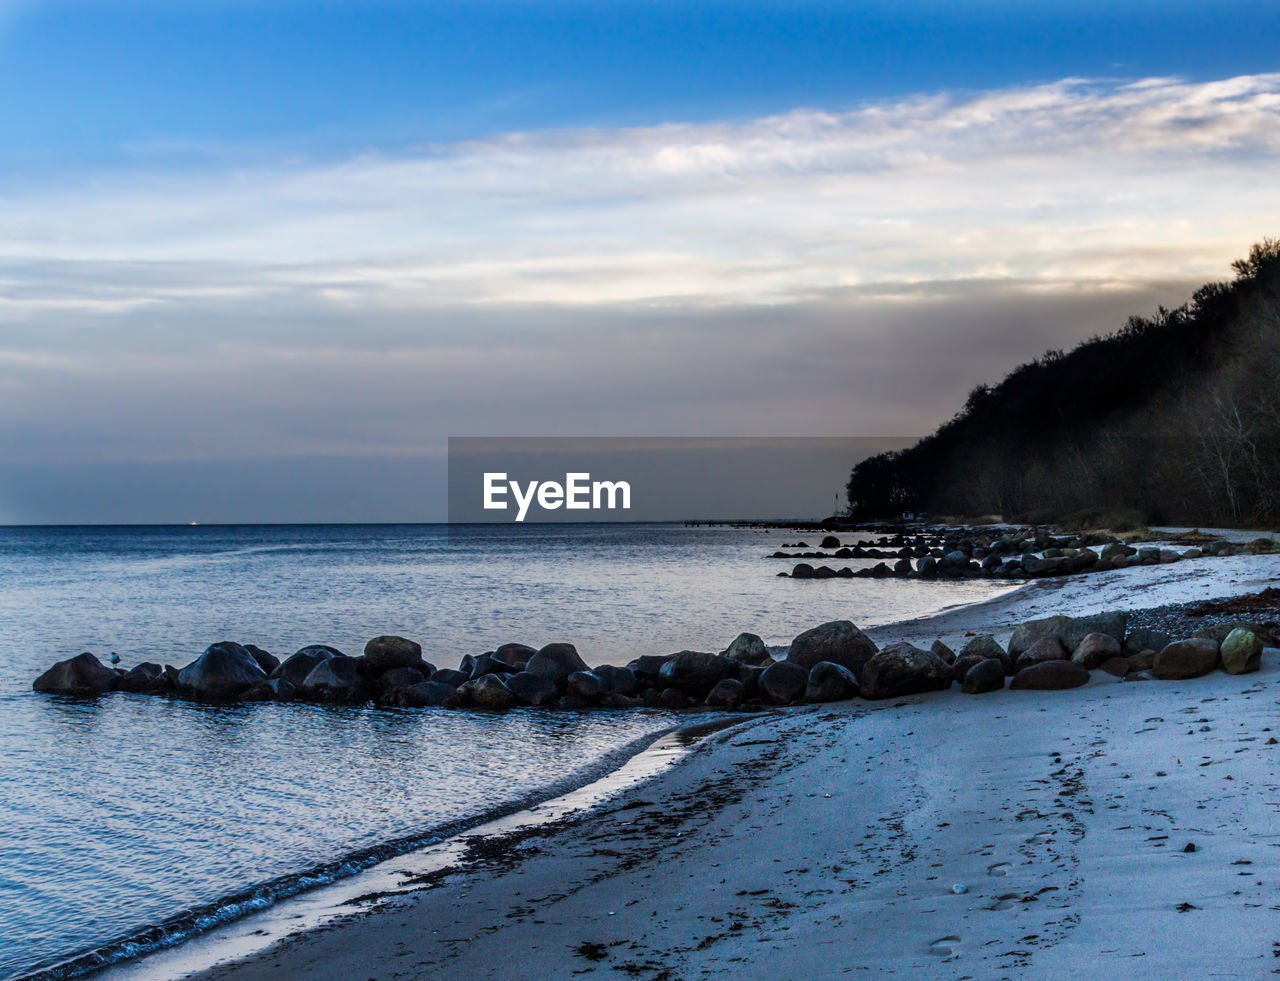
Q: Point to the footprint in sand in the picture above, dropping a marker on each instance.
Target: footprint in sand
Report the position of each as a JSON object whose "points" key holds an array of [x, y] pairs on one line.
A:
{"points": [[1004, 901], [999, 869], [945, 947]]}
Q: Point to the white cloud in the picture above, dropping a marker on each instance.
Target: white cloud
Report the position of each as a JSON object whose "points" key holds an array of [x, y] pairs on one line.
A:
{"points": [[1075, 180]]}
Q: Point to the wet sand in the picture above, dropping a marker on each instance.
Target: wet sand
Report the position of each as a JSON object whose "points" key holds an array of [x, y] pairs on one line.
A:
{"points": [[1008, 835]]}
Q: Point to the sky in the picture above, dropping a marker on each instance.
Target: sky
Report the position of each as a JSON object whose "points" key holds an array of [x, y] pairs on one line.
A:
{"points": [[259, 261]]}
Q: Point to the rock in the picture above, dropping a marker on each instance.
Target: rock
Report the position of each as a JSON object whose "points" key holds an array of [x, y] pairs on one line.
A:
{"points": [[726, 693], [1045, 649], [259, 691], [450, 677], [1116, 666], [516, 655], [985, 646], [830, 682], [1068, 631], [425, 694], [145, 679], [1219, 631], [694, 672], [647, 667], [335, 679], [617, 681], [489, 664], [802, 570], [557, 662], [295, 668], [1143, 660], [383, 653], [266, 660], [585, 685], [839, 642], [282, 690], [983, 677], [532, 688], [902, 669], [1186, 659], [1241, 652], [830, 541], [749, 649], [1116, 549], [784, 682], [223, 671], [621, 702], [389, 681], [83, 674], [674, 698], [1053, 675], [1145, 639], [1094, 649], [490, 693], [943, 651]]}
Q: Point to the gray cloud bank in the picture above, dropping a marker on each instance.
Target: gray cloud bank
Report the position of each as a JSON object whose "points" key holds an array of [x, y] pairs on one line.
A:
{"points": [[169, 342]]}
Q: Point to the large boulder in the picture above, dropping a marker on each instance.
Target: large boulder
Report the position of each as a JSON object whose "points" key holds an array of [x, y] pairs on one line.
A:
{"points": [[266, 660], [145, 679], [983, 677], [557, 662], [83, 674], [981, 648], [295, 668], [384, 653], [617, 681], [532, 688], [1219, 631], [449, 676], [490, 664], [1095, 650], [425, 694], [585, 685], [1068, 631], [784, 682], [1054, 675], [901, 669], [749, 649], [489, 692], [516, 655], [1142, 639], [694, 672], [1241, 652], [1044, 649], [223, 671], [1186, 659], [647, 667], [838, 641], [830, 682], [943, 651], [726, 693], [335, 679], [389, 681]]}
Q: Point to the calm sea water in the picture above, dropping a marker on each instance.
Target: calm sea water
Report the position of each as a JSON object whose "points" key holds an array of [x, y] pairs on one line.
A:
{"points": [[126, 812]]}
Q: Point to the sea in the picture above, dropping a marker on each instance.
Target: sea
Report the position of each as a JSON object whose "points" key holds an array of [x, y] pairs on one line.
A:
{"points": [[133, 822]]}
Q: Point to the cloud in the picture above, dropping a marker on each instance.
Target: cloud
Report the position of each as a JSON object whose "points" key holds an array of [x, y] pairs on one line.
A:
{"points": [[815, 272]]}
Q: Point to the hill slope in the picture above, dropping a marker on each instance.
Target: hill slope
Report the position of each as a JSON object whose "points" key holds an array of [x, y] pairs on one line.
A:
{"points": [[1176, 416]]}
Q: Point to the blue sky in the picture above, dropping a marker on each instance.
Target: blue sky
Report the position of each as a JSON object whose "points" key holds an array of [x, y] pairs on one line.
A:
{"points": [[240, 238], [94, 83]]}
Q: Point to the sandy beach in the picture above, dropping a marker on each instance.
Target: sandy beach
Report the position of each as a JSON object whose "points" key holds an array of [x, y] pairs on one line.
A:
{"points": [[1127, 829]]}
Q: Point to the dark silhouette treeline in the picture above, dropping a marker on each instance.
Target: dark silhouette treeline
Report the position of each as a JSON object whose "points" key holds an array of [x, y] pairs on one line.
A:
{"points": [[1173, 418]]}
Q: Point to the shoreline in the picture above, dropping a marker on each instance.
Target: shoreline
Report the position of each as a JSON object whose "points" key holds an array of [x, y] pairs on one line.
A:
{"points": [[233, 920], [244, 940]]}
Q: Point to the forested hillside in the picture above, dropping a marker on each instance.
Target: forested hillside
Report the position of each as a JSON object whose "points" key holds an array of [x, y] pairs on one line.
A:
{"points": [[1175, 416]]}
